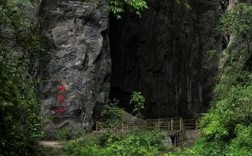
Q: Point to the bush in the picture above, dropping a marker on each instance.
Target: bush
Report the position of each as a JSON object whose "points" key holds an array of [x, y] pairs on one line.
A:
{"points": [[68, 134], [136, 143], [108, 138], [83, 146], [111, 115]]}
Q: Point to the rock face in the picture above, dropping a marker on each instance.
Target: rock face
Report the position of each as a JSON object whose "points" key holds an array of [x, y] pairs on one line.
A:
{"points": [[170, 54], [76, 65]]}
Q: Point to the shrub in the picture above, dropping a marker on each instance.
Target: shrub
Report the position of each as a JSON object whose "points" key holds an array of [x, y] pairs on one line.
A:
{"points": [[136, 143], [111, 115], [72, 133]]}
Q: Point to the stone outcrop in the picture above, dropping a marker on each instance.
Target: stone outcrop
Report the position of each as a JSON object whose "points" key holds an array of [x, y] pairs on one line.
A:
{"points": [[75, 67], [170, 54]]}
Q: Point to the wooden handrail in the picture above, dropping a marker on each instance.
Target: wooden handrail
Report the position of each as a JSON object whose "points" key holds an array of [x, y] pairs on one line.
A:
{"points": [[174, 127], [167, 124]]}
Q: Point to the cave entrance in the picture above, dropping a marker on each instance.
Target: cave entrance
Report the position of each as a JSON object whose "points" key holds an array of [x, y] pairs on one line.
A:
{"points": [[162, 55], [143, 60], [125, 59]]}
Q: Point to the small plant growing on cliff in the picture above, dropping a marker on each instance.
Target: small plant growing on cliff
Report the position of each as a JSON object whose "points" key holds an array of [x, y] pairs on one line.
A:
{"points": [[137, 6], [118, 6], [137, 100]]}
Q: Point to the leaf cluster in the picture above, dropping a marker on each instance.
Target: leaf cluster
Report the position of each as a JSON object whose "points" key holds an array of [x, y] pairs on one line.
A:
{"points": [[137, 100], [119, 6]]}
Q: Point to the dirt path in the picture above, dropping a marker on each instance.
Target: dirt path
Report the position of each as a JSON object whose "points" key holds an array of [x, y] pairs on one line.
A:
{"points": [[52, 144]]}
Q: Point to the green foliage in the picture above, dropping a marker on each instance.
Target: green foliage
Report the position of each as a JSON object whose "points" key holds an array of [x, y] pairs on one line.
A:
{"points": [[11, 15], [83, 146], [68, 134], [137, 100], [233, 109], [19, 109], [225, 128], [50, 151], [119, 6], [227, 125], [108, 138], [136, 143], [242, 144], [63, 135], [20, 122], [111, 115], [237, 21]]}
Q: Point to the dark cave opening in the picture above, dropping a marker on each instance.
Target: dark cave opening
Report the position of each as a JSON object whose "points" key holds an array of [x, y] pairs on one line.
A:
{"points": [[163, 54], [124, 78]]}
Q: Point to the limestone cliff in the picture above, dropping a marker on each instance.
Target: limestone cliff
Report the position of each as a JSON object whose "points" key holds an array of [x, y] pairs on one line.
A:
{"points": [[75, 68], [170, 54]]}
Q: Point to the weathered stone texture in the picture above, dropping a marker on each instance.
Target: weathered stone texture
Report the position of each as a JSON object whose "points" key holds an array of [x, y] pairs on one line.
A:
{"points": [[165, 54], [74, 72]]}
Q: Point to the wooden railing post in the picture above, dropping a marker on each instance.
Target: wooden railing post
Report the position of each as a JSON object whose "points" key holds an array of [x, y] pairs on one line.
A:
{"points": [[180, 123], [171, 124], [96, 128]]}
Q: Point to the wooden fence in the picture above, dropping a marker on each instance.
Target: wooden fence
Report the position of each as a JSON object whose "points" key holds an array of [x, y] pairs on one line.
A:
{"points": [[174, 127], [163, 124], [190, 124]]}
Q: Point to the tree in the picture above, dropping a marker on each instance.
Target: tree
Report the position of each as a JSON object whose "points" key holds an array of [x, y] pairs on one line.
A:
{"points": [[238, 22]]}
